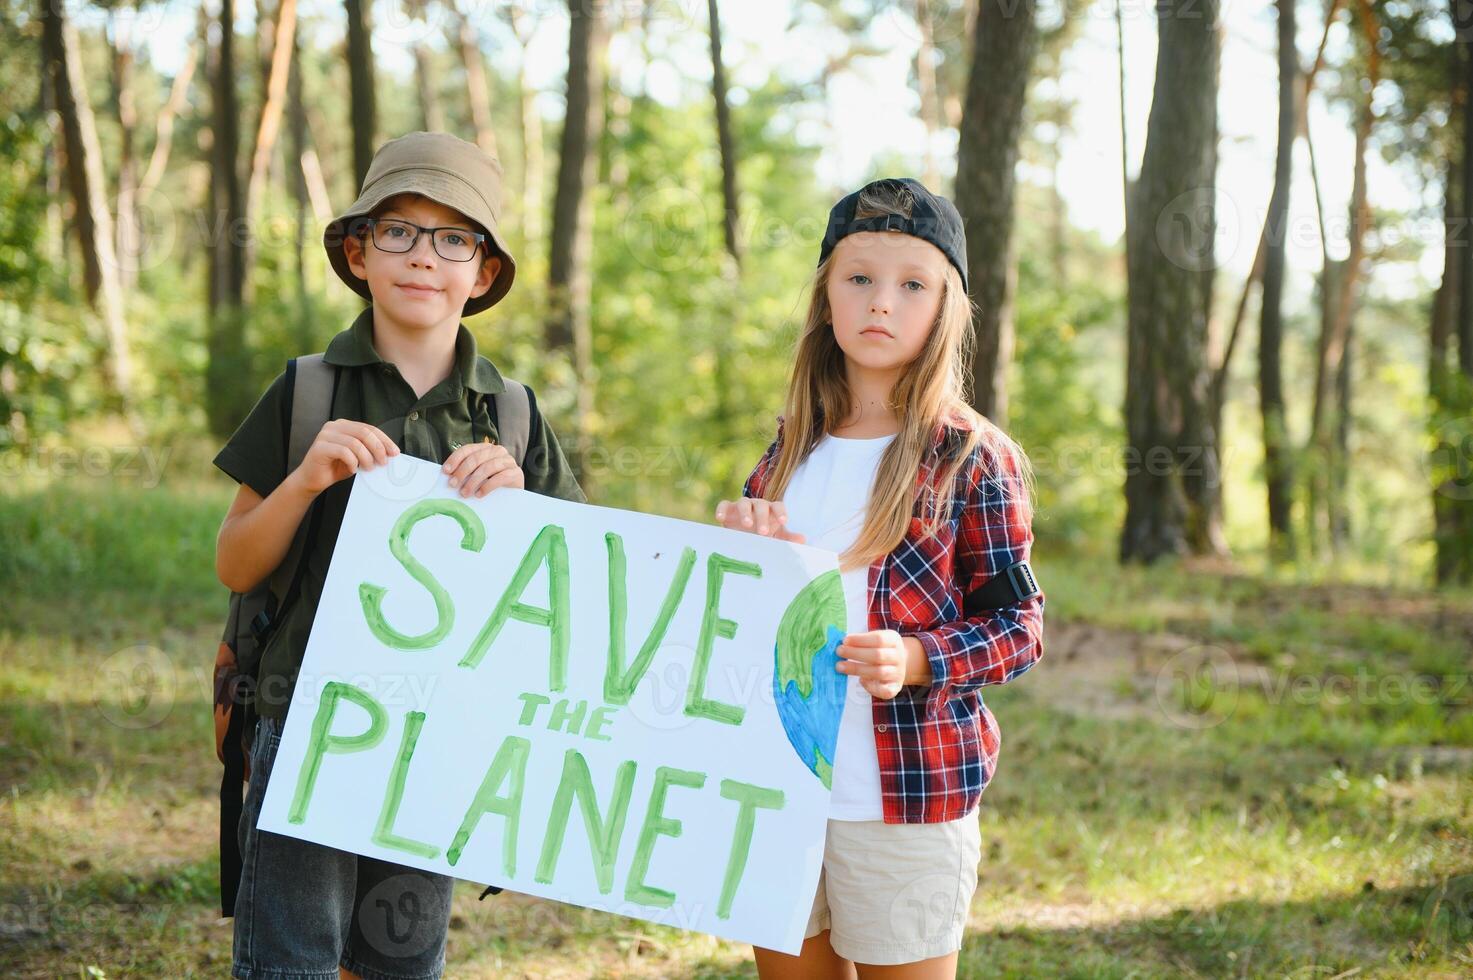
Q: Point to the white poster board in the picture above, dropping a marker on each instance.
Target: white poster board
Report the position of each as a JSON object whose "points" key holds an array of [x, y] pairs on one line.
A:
{"points": [[573, 702]]}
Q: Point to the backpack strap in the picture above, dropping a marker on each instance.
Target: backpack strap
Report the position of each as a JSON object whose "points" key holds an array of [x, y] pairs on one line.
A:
{"points": [[514, 419], [312, 382]]}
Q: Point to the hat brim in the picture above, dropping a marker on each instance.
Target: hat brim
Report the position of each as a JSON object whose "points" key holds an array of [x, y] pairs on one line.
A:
{"points": [[442, 187]]}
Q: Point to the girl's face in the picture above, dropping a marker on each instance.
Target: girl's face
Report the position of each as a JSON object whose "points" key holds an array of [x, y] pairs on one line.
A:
{"points": [[885, 290]]}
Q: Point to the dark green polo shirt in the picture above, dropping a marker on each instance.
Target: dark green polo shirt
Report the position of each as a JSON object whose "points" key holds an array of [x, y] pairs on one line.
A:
{"points": [[458, 410]]}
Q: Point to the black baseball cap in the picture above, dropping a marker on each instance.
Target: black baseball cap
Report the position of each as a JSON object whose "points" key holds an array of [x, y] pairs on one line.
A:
{"points": [[932, 218]]}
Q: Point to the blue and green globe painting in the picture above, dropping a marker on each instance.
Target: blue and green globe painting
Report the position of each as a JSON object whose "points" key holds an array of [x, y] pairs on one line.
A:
{"points": [[809, 691]]}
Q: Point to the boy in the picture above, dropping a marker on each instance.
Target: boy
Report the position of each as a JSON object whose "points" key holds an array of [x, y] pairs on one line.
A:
{"points": [[422, 243]]}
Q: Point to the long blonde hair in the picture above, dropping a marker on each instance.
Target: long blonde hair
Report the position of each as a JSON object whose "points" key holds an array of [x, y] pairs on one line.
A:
{"points": [[930, 392]]}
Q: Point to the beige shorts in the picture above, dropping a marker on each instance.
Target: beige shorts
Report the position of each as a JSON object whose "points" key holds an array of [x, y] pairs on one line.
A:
{"points": [[896, 893]]}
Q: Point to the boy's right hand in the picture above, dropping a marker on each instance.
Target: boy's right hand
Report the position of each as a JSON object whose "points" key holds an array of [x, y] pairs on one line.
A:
{"points": [[765, 517], [342, 448]]}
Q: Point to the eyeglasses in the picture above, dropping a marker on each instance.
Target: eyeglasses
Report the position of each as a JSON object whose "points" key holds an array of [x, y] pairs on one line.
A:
{"points": [[451, 243]]}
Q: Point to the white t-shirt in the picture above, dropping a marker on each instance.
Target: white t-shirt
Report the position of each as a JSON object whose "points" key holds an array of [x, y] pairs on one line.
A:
{"points": [[826, 502]]}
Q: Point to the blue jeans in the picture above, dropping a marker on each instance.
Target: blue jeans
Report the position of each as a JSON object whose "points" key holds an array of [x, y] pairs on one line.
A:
{"points": [[305, 909]]}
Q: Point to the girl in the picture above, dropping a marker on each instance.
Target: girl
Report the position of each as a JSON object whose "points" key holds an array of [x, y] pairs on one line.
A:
{"points": [[879, 457]]}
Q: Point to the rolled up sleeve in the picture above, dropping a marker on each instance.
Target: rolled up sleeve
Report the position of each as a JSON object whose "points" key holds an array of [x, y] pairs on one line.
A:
{"points": [[995, 531]]}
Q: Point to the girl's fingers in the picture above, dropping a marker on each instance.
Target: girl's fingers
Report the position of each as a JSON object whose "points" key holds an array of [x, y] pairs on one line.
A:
{"points": [[873, 638]]}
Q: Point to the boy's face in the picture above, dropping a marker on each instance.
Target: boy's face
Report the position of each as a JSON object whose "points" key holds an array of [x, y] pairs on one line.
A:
{"points": [[418, 289], [885, 289]]}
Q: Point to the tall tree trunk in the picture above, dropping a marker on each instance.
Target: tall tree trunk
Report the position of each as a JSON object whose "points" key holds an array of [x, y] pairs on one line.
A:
{"points": [[227, 377], [1455, 543], [431, 117], [360, 82], [476, 86], [732, 222], [174, 106], [533, 173], [731, 229], [92, 219], [54, 162], [297, 129], [128, 231], [1276, 464], [1340, 289], [926, 83], [1339, 510], [1442, 401], [277, 76], [569, 276], [1004, 46], [1172, 464]]}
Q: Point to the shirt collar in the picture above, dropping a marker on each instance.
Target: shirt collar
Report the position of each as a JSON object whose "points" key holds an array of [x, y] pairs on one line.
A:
{"points": [[354, 348]]}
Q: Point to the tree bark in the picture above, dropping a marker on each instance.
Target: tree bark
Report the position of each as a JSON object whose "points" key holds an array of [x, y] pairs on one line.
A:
{"points": [[1171, 471], [297, 133], [227, 376], [431, 117], [92, 220], [1455, 539], [278, 74], [732, 222], [164, 132], [1277, 466], [361, 83], [477, 91], [1442, 402], [929, 93], [128, 232], [533, 173], [1339, 285], [569, 275], [1004, 46]]}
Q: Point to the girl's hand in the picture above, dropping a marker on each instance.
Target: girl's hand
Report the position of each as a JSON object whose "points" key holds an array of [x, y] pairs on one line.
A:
{"points": [[477, 468], [765, 517], [342, 448], [884, 662]]}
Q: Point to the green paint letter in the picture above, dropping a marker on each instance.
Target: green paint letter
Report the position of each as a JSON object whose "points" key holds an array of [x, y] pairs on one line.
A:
{"points": [[473, 537], [603, 835], [321, 740], [510, 763], [383, 834], [619, 683], [748, 798], [550, 547], [656, 824], [697, 705]]}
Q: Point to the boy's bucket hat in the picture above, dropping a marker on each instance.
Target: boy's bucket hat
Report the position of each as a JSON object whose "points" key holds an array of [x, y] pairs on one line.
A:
{"points": [[448, 171], [932, 218]]}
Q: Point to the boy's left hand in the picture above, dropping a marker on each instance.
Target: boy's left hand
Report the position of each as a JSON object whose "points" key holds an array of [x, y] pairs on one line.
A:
{"points": [[477, 468], [884, 662]]}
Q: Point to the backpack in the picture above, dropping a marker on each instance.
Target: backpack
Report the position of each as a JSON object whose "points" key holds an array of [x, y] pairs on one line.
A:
{"points": [[311, 388]]}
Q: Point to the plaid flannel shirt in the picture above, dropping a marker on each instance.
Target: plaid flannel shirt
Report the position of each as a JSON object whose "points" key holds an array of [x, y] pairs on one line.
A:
{"points": [[938, 745]]}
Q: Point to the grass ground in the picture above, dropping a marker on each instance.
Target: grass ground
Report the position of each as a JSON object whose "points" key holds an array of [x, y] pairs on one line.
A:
{"points": [[1209, 774]]}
